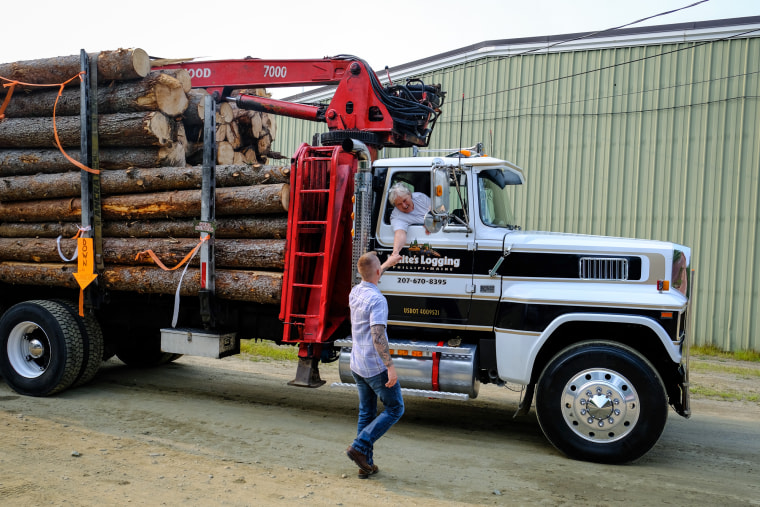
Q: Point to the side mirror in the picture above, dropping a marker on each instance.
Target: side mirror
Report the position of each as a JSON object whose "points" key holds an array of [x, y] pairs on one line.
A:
{"points": [[433, 224], [439, 191], [439, 197]]}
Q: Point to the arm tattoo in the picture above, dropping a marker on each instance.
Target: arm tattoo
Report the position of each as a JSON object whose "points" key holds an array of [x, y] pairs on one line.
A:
{"points": [[381, 344]]}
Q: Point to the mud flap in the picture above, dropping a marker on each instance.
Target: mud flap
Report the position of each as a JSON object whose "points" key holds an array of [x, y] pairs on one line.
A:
{"points": [[683, 405], [525, 401]]}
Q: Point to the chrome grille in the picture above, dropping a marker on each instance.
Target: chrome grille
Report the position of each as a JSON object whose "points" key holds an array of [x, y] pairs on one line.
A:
{"points": [[603, 268]]}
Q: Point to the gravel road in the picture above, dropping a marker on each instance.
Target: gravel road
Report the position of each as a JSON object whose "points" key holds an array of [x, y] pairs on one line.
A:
{"points": [[231, 432]]}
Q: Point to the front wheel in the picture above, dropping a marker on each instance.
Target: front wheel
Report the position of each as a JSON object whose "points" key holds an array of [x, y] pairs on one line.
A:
{"points": [[601, 401]]}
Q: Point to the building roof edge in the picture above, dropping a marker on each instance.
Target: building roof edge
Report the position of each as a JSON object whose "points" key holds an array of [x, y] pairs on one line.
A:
{"points": [[654, 34]]}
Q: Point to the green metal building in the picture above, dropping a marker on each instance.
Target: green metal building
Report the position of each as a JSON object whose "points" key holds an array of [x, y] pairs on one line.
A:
{"points": [[647, 132]]}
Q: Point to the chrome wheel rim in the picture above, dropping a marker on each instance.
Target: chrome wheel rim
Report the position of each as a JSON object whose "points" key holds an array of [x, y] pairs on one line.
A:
{"points": [[600, 405], [28, 350]]}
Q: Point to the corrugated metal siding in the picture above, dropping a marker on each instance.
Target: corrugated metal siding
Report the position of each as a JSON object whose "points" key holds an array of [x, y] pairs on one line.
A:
{"points": [[658, 142]]}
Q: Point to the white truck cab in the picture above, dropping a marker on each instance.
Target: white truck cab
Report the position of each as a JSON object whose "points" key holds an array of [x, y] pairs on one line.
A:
{"points": [[594, 326]]}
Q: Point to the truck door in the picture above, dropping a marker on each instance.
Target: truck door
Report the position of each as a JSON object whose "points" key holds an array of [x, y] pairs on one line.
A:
{"points": [[494, 224], [433, 282]]}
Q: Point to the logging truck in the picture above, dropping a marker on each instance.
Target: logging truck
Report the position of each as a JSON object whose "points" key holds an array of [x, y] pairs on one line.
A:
{"points": [[594, 329]]}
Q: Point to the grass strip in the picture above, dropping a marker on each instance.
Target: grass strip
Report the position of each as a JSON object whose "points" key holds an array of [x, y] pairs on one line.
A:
{"points": [[256, 350], [713, 351]]}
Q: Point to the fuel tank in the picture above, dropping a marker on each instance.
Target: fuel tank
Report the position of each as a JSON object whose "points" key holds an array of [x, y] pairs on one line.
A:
{"points": [[427, 366]]}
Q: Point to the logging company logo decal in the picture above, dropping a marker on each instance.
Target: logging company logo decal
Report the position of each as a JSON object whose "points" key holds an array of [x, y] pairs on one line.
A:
{"points": [[423, 258]]}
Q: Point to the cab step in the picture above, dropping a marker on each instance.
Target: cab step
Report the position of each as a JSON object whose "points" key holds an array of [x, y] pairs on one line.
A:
{"points": [[411, 392]]}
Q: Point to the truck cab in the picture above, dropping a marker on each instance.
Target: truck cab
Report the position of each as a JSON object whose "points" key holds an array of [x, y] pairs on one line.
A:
{"points": [[595, 327], [439, 266]]}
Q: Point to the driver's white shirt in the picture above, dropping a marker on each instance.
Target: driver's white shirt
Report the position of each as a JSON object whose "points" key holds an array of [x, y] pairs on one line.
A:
{"points": [[401, 220]]}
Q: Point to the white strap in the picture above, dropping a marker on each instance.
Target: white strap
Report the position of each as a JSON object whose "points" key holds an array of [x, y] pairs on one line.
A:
{"points": [[176, 294]]}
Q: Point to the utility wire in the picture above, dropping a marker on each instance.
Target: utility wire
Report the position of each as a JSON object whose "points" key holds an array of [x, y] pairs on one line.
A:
{"points": [[611, 66], [592, 34], [487, 60], [531, 110], [615, 113], [599, 69]]}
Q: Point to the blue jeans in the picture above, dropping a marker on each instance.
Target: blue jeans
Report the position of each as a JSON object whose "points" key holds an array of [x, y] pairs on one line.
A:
{"points": [[371, 425]]}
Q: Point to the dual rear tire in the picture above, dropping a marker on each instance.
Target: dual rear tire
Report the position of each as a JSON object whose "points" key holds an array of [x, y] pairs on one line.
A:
{"points": [[46, 347]]}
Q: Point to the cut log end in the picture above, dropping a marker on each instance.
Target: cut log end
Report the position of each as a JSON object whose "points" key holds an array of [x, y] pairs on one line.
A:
{"points": [[285, 196], [171, 98]]}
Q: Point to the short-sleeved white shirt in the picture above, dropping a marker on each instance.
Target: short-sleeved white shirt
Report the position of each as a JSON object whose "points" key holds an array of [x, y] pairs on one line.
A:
{"points": [[401, 220]]}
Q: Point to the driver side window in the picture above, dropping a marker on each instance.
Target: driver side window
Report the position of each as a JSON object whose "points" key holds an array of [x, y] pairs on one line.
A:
{"points": [[414, 181]]}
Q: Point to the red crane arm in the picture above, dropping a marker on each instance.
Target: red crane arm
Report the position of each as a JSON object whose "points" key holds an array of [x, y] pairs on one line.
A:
{"points": [[396, 116], [254, 73]]}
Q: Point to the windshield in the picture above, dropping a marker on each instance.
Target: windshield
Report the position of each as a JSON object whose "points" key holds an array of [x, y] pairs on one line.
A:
{"points": [[495, 201]]}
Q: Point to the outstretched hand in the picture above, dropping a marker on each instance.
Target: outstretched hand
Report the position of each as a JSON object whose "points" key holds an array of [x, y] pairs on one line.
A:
{"points": [[392, 260]]}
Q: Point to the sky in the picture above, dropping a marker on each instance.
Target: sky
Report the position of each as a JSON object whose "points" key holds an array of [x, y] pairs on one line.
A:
{"points": [[382, 33]]}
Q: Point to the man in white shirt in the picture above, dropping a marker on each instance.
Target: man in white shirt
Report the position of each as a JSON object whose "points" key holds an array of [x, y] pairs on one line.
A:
{"points": [[371, 363], [409, 209]]}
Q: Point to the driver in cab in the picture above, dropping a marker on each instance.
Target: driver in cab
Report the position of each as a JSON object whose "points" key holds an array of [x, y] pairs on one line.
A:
{"points": [[410, 208]]}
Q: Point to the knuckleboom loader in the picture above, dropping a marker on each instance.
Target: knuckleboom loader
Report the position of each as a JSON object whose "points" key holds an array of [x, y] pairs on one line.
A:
{"points": [[595, 329]]}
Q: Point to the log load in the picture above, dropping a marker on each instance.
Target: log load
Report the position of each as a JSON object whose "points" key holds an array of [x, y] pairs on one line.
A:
{"points": [[26, 161], [119, 65], [251, 200], [159, 91], [235, 284], [252, 227], [137, 109], [230, 253], [242, 136], [120, 129], [195, 114], [134, 180], [150, 125]]}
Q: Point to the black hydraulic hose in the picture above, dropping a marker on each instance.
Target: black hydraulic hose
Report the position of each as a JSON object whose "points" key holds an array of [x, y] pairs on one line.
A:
{"points": [[406, 111]]}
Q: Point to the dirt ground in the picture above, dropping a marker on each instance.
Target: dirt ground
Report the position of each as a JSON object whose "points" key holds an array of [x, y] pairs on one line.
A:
{"points": [[231, 432]]}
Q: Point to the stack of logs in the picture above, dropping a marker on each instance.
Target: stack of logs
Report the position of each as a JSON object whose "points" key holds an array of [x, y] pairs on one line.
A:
{"points": [[150, 194], [242, 136]]}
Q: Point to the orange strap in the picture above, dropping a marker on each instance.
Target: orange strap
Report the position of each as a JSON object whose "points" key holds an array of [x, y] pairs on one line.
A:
{"points": [[55, 130], [11, 84], [161, 265], [80, 231]]}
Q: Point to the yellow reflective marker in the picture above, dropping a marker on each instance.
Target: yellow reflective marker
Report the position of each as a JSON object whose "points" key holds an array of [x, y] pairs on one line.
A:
{"points": [[85, 268], [86, 263]]}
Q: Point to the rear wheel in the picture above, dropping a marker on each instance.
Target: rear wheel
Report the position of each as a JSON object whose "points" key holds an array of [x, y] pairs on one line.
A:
{"points": [[602, 402], [41, 348], [93, 342]]}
